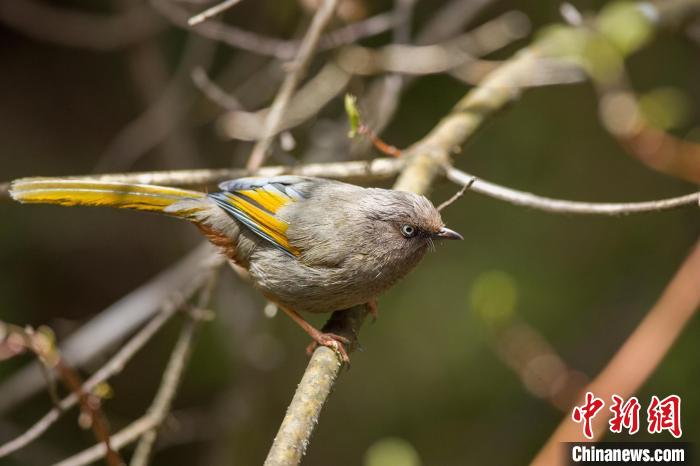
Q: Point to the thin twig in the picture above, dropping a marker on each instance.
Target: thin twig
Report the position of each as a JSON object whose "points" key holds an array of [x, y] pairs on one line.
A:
{"points": [[378, 142], [449, 20], [356, 31], [291, 81], [163, 399], [498, 88], [90, 406], [380, 101], [110, 326], [114, 366], [124, 437], [639, 356], [304, 104], [212, 91], [211, 12], [43, 347], [173, 373], [433, 151], [160, 119], [270, 46], [456, 195], [161, 404], [560, 206], [457, 52]]}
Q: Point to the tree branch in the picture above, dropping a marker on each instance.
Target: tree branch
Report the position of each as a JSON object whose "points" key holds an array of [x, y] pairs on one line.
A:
{"points": [[270, 46], [452, 53], [638, 357], [304, 104], [502, 86], [560, 206], [174, 285], [42, 345], [160, 122], [172, 376], [291, 82], [211, 12], [113, 367], [312, 392]]}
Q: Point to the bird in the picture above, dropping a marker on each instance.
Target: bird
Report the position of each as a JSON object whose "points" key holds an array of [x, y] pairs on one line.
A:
{"points": [[310, 245]]}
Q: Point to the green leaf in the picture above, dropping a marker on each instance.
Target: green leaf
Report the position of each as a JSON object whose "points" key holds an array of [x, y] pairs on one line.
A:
{"points": [[353, 114]]}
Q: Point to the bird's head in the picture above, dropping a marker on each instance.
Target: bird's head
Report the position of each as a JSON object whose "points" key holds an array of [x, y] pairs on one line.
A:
{"points": [[406, 222]]}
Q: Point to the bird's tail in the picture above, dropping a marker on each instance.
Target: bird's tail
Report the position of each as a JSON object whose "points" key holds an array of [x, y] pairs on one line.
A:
{"points": [[66, 192]]}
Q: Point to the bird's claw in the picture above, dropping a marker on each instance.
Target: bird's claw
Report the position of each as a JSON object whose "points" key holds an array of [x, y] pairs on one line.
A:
{"points": [[332, 341]]}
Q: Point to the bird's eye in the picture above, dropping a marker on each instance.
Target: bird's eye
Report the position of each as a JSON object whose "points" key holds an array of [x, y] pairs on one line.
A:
{"points": [[408, 231]]}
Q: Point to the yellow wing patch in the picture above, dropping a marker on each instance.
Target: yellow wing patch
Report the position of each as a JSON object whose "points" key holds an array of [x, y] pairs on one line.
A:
{"points": [[256, 208], [271, 201]]}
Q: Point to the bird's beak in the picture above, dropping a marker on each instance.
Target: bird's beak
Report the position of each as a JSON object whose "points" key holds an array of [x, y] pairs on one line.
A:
{"points": [[446, 233]]}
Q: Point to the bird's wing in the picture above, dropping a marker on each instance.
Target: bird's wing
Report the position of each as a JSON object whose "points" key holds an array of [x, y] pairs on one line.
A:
{"points": [[255, 202]]}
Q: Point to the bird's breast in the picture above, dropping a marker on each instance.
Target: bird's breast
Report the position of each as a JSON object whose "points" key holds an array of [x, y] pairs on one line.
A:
{"points": [[315, 288]]}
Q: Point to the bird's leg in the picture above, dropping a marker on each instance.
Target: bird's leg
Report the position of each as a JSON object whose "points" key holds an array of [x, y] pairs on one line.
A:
{"points": [[331, 340], [373, 310]]}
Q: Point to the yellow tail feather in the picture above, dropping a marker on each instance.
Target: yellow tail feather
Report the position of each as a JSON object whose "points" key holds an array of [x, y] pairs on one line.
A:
{"points": [[67, 192]]}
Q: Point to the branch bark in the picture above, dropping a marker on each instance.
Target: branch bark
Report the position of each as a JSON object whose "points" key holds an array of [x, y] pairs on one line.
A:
{"points": [[312, 392]]}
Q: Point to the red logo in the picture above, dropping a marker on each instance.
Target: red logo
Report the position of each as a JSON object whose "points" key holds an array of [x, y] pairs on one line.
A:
{"points": [[587, 412], [665, 415], [625, 415], [661, 414]]}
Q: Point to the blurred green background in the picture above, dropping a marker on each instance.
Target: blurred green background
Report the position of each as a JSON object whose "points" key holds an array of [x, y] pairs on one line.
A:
{"points": [[432, 386]]}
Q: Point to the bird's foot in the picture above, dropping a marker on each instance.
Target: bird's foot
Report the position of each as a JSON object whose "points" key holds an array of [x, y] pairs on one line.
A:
{"points": [[332, 341]]}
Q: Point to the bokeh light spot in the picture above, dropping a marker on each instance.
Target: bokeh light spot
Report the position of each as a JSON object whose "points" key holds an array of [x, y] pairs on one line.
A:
{"points": [[493, 296], [665, 107], [391, 451]]}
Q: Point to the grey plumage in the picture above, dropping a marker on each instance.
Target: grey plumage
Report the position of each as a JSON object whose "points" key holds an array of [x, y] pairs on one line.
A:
{"points": [[350, 240]]}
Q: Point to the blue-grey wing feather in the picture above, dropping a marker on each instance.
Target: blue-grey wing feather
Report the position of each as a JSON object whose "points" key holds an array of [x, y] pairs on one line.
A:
{"points": [[222, 200], [284, 184]]}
